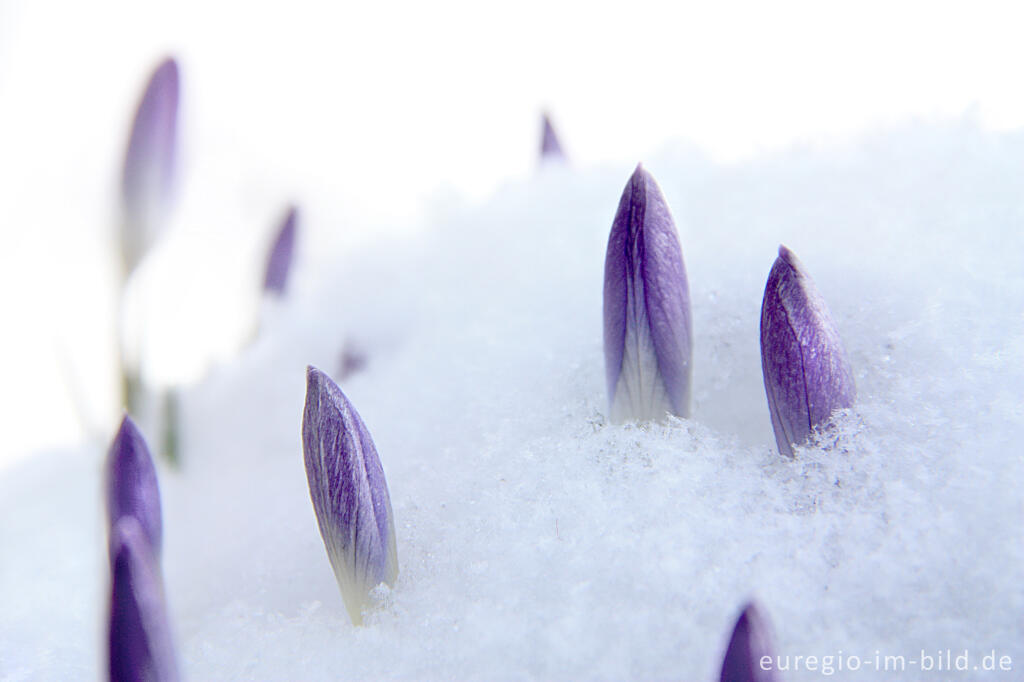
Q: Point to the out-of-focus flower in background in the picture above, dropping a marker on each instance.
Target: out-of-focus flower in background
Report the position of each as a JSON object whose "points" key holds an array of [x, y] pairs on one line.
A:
{"points": [[279, 262], [550, 146], [149, 178]]}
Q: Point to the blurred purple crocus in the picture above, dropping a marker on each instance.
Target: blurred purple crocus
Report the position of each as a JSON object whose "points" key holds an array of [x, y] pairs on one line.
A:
{"points": [[550, 147], [647, 330], [132, 489], [750, 643], [806, 373], [140, 643], [353, 359], [280, 260], [349, 493], [148, 181]]}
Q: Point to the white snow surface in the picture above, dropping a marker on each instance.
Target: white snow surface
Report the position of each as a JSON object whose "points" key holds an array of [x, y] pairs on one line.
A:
{"points": [[535, 539]]}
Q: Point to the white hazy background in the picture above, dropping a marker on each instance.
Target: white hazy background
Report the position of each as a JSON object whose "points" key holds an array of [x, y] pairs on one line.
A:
{"points": [[372, 113]]}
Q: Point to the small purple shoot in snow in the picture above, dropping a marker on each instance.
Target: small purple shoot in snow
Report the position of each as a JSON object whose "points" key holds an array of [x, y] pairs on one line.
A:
{"points": [[751, 640], [806, 373], [131, 485], [349, 493], [647, 329], [550, 147], [148, 181], [140, 643], [280, 260]]}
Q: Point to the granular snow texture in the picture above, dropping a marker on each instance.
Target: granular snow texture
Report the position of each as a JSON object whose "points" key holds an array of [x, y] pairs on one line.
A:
{"points": [[535, 539]]}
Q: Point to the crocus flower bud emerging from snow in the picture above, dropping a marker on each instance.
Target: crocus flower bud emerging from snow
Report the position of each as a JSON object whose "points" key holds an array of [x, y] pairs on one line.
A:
{"points": [[349, 493], [147, 185], [806, 374], [750, 642], [280, 260], [132, 489], [140, 641], [550, 147], [647, 332]]}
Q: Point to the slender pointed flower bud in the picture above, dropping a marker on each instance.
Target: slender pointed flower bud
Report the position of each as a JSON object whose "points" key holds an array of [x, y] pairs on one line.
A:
{"points": [[806, 374], [140, 643], [647, 331], [550, 147], [148, 182], [750, 642], [349, 493], [132, 489], [280, 260]]}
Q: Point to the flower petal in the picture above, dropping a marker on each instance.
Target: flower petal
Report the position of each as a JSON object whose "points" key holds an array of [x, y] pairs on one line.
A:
{"points": [[647, 325], [131, 482], [148, 180], [806, 373], [140, 643], [349, 493]]}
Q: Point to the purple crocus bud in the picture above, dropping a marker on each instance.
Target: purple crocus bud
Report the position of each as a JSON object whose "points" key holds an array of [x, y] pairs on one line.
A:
{"points": [[806, 374], [148, 182], [280, 259], [349, 493], [140, 641], [550, 147], [647, 331], [749, 656], [132, 489]]}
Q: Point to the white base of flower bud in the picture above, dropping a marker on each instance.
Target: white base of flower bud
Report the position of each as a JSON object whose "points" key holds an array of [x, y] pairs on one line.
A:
{"points": [[640, 392]]}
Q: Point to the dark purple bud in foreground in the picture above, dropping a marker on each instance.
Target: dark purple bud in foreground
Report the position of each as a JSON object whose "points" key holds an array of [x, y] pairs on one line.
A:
{"points": [[806, 374], [550, 147], [148, 182], [132, 489], [280, 260], [749, 657], [647, 332], [349, 493], [140, 641]]}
